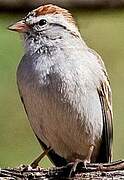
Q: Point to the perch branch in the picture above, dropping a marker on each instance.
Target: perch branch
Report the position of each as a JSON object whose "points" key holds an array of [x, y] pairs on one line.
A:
{"points": [[91, 172]]}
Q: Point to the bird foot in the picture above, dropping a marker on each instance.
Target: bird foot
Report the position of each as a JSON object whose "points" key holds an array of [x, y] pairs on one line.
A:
{"points": [[24, 168], [85, 162], [78, 164]]}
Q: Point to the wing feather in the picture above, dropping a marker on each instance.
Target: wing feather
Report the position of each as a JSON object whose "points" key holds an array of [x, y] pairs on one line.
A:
{"points": [[105, 97]]}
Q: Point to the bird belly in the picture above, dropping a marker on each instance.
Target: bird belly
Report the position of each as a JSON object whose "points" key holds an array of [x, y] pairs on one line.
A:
{"points": [[59, 125]]}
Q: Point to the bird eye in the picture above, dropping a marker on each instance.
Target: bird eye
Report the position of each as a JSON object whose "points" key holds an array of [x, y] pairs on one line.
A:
{"points": [[42, 22]]}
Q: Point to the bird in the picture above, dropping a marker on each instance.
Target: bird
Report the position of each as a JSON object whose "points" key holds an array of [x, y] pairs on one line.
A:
{"points": [[65, 88]]}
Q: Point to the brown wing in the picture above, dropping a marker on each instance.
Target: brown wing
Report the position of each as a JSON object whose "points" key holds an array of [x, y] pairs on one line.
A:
{"points": [[106, 104], [105, 96]]}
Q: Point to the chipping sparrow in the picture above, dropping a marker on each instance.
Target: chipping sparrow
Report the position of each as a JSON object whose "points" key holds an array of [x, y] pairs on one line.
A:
{"points": [[64, 88]]}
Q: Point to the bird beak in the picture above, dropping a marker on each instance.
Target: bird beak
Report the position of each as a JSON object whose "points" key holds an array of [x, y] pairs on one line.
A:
{"points": [[20, 27]]}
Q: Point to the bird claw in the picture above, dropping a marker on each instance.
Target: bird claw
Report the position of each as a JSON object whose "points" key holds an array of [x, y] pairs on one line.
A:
{"points": [[25, 168], [77, 165], [34, 165], [85, 162]]}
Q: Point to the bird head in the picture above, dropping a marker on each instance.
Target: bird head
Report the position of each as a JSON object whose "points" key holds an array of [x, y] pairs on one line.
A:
{"points": [[47, 19]]}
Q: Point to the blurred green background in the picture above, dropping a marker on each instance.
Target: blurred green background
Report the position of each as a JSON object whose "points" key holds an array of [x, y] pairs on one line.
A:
{"points": [[103, 31]]}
